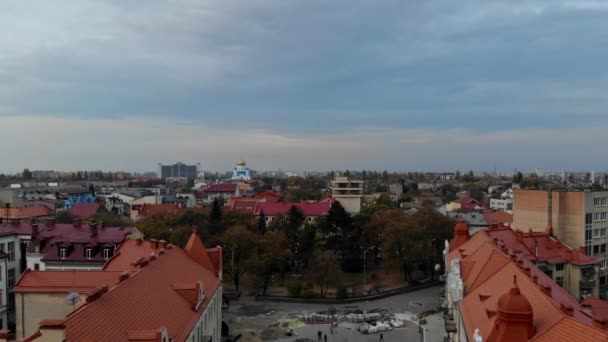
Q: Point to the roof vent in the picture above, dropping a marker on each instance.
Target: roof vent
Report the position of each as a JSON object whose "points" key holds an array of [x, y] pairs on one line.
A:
{"points": [[97, 293], [152, 256], [161, 251], [144, 262], [546, 289], [535, 279], [123, 276], [567, 309]]}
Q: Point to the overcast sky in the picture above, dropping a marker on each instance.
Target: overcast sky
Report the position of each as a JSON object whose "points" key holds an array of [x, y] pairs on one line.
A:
{"points": [[341, 84]]}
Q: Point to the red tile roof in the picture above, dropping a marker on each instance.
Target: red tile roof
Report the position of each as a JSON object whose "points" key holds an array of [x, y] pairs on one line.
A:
{"points": [[197, 251], [270, 196], [28, 212], [498, 217], [171, 209], [130, 251], [146, 301], [599, 308], [539, 246], [52, 281], [222, 187], [487, 273], [84, 210], [245, 205], [282, 208]]}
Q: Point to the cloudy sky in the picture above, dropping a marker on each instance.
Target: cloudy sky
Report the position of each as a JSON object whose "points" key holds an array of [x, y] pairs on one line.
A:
{"points": [[383, 84]]}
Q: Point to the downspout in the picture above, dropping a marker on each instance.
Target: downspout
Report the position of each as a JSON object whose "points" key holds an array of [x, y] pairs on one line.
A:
{"points": [[22, 316]]}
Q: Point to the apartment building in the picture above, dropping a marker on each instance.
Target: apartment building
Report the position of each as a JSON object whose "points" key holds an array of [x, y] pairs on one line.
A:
{"points": [[349, 192], [577, 218]]}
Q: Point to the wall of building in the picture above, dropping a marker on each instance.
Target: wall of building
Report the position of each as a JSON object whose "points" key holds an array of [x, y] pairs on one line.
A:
{"points": [[210, 321], [31, 308]]}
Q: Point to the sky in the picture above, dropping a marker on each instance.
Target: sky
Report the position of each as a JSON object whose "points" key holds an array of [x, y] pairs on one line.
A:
{"points": [[304, 85]]}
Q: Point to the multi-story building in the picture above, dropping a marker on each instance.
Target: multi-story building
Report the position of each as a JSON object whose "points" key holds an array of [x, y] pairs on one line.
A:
{"points": [[179, 170], [349, 192], [504, 204], [312, 211], [223, 190], [172, 294], [78, 197], [577, 218], [494, 293]]}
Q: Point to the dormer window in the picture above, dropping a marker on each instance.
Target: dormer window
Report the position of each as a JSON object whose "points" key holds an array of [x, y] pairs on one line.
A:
{"points": [[88, 253], [63, 253], [107, 253]]}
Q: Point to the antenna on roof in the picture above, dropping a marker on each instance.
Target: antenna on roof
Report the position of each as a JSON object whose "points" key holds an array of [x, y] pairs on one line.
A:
{"points": [[72, 298]]}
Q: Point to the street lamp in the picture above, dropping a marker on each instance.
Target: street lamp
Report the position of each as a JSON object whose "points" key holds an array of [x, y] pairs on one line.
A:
{"points": [[364, 254]]}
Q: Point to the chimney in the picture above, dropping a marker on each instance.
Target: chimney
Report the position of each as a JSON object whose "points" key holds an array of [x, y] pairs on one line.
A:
{"points": [[535, 279], [123, 276], [34, 231], [546, 289], [162, 243], [93, 228], [528, 270], [102, 225], [154, 243], [139, 241], [50, 222], [77, 222]]}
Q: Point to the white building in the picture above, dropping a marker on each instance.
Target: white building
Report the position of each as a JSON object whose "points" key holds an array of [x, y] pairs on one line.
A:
{"points": [[241, 171], [502, 204], [349, 192]]}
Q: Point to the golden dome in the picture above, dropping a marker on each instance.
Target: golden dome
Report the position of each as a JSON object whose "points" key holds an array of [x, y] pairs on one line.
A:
{"points": [[240, 163]]}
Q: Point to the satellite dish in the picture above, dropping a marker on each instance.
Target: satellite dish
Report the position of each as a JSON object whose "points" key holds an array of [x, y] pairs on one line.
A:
{"points": [[72, 298]]}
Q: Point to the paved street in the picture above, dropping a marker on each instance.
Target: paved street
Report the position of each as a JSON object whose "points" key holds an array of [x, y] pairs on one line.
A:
{"points": [[254, 319]]}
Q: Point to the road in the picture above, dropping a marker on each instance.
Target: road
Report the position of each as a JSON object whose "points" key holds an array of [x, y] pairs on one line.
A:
{"points": [[254, 319]]}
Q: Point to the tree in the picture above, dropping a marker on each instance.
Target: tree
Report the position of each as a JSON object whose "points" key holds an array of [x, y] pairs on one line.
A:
{"points": [[588, 178], [241, 244], [273, 253], [261, 225], [27, 175], [216, 211], [326, 272], [518, 177], [64, 217]]}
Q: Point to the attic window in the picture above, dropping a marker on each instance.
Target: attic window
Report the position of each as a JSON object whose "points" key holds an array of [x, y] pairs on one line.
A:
{"points": [[107, 253], [63, 252], [88, 253]]}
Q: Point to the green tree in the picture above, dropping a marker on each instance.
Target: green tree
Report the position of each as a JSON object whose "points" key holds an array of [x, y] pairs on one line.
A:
{"points": [[273, 256], [216, 211], [64, 217], [241, 245], [261, 225], [327, 271]]}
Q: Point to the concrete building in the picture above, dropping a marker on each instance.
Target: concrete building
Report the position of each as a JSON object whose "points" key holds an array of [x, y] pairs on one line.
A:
{"points": [[151, 291], [179, 170], [349, 192], [577, 218], [495, 293], [502, 204]]}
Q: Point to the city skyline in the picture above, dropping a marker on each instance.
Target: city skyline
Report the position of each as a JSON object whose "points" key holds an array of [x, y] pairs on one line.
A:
{"points": [[436, 85]]}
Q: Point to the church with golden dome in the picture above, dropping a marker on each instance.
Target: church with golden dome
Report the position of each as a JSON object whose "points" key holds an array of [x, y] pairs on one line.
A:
{"points": [[241, 171]]}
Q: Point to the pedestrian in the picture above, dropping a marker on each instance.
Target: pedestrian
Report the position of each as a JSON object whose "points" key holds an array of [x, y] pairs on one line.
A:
{"points": [[319, 336], [325, 338], [381, 337]]}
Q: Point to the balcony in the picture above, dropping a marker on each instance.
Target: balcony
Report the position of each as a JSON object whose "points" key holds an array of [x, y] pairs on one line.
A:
{"points": [[587, 284]]}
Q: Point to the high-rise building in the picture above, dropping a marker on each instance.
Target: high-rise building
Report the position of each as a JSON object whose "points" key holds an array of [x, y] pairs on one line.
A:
{"points": [[577, 218], [349, 192], [178, 170]]}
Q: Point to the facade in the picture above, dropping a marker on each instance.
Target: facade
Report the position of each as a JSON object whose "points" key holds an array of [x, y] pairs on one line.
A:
{"points": [[179, 170], [223, 190], [311, 210], [501, 204], [78, 197], [349, 192], [241, 171], [172, 295], [495, 294], [577, 218]]}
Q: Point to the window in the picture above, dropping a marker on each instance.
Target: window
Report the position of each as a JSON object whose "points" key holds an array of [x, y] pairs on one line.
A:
{"points": [[36, 267], [2, 247], [604, 264], [604, 201], [88, 253], [10, 278], [596, 202], [559, 267], [107, 253], [11, 251], [596, 233], [559, 281], [603, 248], [600, 202], [63, 252], [596, 249]]}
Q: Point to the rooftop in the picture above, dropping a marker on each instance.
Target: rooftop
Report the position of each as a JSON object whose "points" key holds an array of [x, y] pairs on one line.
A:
{"points": [[52, 281], [84, 210], [320, 208]]}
